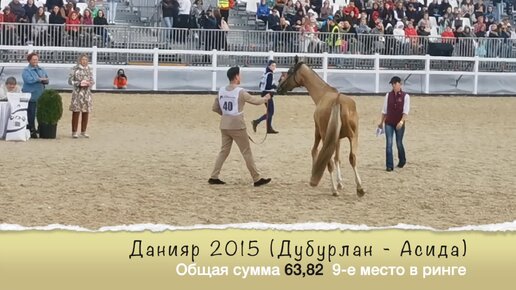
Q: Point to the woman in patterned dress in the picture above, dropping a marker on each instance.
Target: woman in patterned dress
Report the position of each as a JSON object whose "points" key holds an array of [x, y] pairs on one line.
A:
{"points": [[81, 78]]}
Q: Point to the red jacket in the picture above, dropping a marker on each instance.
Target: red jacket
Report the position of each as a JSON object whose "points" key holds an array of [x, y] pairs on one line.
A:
{"points": [[72, 25]]}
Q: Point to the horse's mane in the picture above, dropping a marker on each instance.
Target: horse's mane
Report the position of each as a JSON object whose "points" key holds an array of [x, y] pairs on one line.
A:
{"points": [[299, 64]]}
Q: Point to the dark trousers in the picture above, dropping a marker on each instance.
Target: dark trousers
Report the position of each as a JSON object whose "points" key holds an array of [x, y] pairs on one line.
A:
{"points": [[31, 115], [270, 111]]}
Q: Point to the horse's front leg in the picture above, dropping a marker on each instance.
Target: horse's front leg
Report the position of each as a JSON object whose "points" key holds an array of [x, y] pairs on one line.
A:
{"points": [[340, 184]]}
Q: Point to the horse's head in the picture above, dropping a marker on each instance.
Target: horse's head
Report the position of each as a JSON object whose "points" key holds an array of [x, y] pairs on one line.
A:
{"points": [[289, 80]]}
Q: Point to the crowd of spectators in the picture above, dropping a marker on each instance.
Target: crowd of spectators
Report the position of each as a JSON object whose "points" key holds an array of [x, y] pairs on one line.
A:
{"points": [[408, 24], [52, 23], [361, 26]]}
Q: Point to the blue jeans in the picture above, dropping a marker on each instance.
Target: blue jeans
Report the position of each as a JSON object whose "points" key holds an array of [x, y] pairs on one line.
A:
{"points": [[389, 133]]}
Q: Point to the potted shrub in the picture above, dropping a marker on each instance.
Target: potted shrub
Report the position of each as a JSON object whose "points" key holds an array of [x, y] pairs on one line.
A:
{"points": [[49, 111]]}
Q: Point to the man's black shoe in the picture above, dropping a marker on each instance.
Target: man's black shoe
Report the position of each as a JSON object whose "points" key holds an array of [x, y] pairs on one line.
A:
{"points": [[255, 124], [262, 181], [215, 181], [272, 131], [389, 169], [34, 135], [401, 165]]}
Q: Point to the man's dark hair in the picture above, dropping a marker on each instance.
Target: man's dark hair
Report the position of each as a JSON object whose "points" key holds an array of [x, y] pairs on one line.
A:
{"points": [[233, 72]]}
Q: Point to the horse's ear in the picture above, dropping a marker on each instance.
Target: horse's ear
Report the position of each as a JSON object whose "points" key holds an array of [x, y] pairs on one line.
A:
{"points": [[296, 59]]}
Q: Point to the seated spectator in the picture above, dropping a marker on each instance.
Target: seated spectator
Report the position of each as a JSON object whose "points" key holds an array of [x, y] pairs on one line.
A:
{"points": [[9, 87], [289, 11], [399, 31], [467, 8], [443, 8], [477, 26], [479, 9], [434, 9], [352, 10], [412, 13], [362, 28], [490, 16], [448, 36], [399, 12], [274, 19], [120, 81], [263, 11], [423, 29], [373, 15]]}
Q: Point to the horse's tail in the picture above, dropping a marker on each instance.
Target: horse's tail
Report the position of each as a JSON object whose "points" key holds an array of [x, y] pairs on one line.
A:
{"points": [[329, 145]]}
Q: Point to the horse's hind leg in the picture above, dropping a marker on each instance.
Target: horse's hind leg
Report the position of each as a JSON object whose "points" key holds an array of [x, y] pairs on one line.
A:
{"points": [[315, 148], [337, 166], [353, 161], [331, 167]]}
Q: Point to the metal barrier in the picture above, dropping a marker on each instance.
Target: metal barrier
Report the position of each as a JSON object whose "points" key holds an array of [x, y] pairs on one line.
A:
{"points": [[128, 37]]}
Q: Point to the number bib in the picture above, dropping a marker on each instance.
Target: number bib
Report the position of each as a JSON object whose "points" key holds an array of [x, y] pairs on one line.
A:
{"points": [[228, 101]]}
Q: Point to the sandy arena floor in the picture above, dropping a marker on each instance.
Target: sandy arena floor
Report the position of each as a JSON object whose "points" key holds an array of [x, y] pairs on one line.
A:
{"points": [[150, 156]]}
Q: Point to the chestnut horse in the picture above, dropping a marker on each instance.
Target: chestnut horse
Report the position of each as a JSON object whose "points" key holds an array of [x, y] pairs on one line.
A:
{"points": [[335, 118]]}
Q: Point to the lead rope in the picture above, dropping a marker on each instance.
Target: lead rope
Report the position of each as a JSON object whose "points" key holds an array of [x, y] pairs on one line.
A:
{"points": [[266, 131]]}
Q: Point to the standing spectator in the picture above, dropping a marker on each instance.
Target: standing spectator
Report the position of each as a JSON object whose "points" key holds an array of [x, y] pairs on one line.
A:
{"points": [[40, 27], [81, 78], [56, 30], [93, 8], [229, 103], [183, 18], [72, 27], [50, 4], [170, 9], [34, 80], [395, 111], [30, 10], [100, 22], [267, 87], [224, 7], [17, 8], [326, 10], [111, 13]]}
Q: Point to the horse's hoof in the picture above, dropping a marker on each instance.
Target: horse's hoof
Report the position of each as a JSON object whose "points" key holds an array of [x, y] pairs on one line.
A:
{"points": [[335, 194], [360, 192], [313, 184], [340, 186]]}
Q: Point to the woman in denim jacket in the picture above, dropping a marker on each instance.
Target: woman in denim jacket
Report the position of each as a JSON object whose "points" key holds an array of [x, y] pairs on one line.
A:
{"points": [[34, 80]]}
